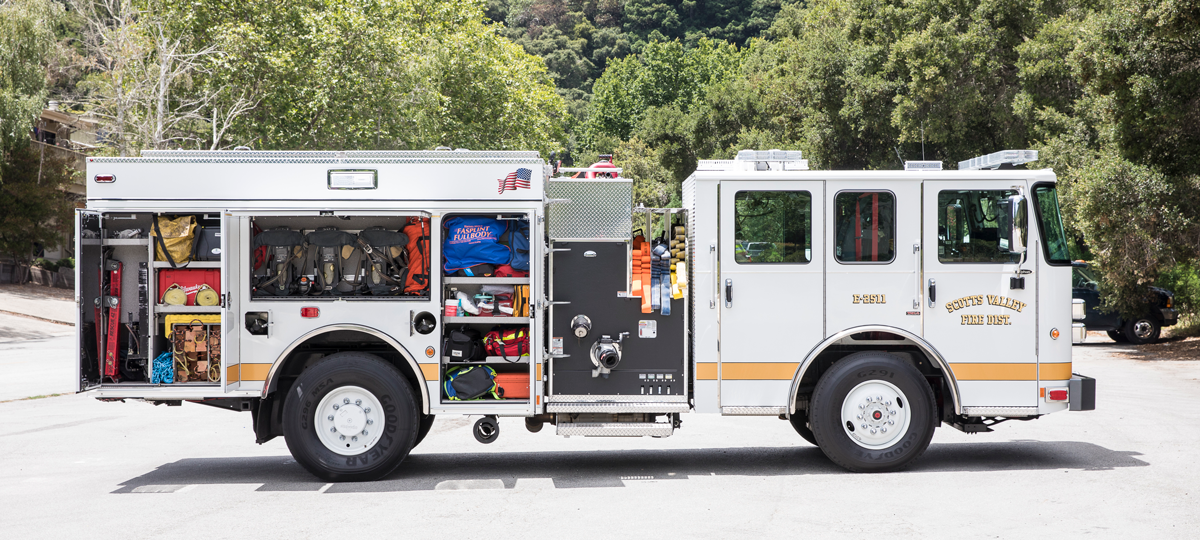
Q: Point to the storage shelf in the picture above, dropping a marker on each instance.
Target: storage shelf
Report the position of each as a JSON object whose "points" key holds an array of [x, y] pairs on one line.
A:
{"points": [[193, 264], [486, 280], [114, 241], [166, 308], [487, 320], [489, 360]]}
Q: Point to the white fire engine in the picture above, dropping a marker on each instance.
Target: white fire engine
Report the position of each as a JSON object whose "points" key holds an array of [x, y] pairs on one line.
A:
{"points": [[320, 292]]}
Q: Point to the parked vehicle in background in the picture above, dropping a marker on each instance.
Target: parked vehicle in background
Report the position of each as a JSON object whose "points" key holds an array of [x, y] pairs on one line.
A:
{"points": [[1146, 328]]}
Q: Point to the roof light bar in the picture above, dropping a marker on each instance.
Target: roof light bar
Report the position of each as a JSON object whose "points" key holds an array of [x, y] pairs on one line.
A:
{"points": [[995, 160], [922, 165], [769, 155]]}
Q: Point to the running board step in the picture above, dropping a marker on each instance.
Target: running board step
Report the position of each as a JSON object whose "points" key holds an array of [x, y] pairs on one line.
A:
{"points": [[608, 407], [615, 429]]}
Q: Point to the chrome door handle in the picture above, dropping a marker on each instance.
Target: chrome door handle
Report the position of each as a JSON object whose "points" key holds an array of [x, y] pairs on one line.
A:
{"points": [[932, 292], [729, 293]]}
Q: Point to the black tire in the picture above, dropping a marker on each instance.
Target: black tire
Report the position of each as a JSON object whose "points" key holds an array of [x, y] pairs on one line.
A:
{"points": [[399, 417], [799, 422], [834, 439], [423, 429], [1142, 330], [1118, 336]]}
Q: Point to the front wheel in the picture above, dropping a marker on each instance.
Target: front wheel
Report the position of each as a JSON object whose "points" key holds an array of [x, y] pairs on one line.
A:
{"points": [[799, 422], [350, 417], [872, 412], [1142, 330]]}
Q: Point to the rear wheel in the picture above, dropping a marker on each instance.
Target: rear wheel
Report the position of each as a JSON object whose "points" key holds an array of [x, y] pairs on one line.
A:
{"points": [[1118, 336], [872, 412], [1142, 330], [799, 422], [350, 417]]}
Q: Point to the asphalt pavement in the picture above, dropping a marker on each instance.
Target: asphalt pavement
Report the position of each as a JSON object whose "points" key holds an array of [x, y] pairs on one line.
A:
{"points": [[71, 466]]}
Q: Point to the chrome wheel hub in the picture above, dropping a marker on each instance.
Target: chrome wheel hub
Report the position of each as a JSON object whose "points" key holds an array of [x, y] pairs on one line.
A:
{"points": [[349, 420], [875, 414], [1143, 329]]}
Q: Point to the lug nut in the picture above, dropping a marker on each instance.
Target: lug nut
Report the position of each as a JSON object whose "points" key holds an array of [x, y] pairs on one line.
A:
{"points": [[365, 433], [367, 410], [883, 429], [864, 426], [346, 401], [891, 422], [369, 421], [355, 438], [336, 406], [330, 417], [888, 404], [872, 431], [332, 429], [343, 437], [859, 417], [358, 402]]}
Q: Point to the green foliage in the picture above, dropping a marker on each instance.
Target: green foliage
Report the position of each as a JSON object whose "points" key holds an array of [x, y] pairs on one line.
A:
{"points": [[26, 45], [33, 206]]}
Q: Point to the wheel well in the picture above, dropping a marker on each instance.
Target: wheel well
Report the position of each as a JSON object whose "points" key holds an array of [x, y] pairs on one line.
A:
{"points": [[268, 416], [909, 350]]}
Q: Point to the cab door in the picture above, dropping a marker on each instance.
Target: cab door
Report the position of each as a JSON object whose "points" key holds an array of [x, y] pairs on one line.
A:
{"points": [[981, 319], [232, 290], [771, 284], [874, 229]]}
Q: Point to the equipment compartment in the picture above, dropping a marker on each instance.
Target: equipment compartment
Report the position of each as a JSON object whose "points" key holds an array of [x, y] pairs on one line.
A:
{"points": [[314, 258]]}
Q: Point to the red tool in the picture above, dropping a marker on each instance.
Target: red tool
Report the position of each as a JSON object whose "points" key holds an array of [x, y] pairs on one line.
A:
{"points": [[113, 302]]}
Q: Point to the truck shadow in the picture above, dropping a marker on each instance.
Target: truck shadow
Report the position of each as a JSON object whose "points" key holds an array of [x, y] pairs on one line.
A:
{"points": [[609, 468]]}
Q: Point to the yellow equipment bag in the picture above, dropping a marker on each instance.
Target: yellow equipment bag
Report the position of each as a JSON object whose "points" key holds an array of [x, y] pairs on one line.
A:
{"points": [[173, 239]]}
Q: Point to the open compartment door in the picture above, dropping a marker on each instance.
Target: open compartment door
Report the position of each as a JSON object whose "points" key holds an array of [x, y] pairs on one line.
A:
{"points": [[232, 227], [88, 254]]}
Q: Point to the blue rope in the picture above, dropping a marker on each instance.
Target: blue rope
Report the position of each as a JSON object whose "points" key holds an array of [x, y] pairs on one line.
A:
{"points": [[164, 369]]}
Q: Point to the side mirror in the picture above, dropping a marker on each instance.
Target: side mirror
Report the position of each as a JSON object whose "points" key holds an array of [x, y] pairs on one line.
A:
{"points": [[1012, 224]]}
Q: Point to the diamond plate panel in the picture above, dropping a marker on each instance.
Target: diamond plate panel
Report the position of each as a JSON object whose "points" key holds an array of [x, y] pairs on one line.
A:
{"points": [[1000, 411], [753, 411], [615, 429], [598, 209]]}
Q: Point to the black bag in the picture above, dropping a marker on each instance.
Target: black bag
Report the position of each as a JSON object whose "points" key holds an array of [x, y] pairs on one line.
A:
{"points": [[336, 261], [479, 270], [464, 345], [208, 244]]}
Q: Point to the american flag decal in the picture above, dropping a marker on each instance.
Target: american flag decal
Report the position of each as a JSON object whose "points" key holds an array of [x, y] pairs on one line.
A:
{"points": [[516, 179]]}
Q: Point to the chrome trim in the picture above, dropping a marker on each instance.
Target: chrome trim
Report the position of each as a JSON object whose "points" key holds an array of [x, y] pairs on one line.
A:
{"points": [[270, 381], [924, 345], [1007, 412], [753, 411], [1078, 312], [615, 429], [1078, 332], [617, 407]]}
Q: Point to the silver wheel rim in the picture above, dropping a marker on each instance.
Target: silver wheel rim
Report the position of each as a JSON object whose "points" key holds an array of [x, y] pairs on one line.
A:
{"points": [[875, 414], [349, 420], [1143, 329]]}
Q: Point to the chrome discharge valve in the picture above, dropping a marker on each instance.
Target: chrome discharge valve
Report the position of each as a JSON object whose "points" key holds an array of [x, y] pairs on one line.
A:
{"points": [[606, 354]]}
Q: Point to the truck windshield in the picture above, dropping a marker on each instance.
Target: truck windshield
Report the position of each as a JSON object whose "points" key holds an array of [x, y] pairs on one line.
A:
{"points": [[1045, 197]]}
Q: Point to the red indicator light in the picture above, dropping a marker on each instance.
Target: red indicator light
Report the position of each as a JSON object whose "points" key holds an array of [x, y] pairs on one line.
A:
{"points": [[105, 178], [310, 312], [1058, 394]]}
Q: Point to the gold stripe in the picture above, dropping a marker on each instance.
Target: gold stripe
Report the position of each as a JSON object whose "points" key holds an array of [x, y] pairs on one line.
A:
{"points": [[430, 371], [706, 371], [755, 371], [232, 374], [1055, 372], [255, 372], [995, 372]]}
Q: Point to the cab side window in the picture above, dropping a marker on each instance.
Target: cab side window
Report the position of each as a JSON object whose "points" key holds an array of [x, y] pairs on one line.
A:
{"points": [[866, 226], [969, 227], [772, 227]]}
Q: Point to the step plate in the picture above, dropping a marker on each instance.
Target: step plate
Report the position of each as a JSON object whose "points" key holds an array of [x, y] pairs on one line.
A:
{"points": [[615, 429]]}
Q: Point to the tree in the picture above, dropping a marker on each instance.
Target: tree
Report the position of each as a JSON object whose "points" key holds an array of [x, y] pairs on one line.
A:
{"points": [[26, 44], [34, 209]]}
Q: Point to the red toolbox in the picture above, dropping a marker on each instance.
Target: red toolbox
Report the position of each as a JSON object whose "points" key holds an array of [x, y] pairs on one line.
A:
{"points": [[190, 280], [512, 385]]}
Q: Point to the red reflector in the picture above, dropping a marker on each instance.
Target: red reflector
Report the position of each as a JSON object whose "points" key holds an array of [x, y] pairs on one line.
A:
{"points": [[105, 178], [310, 312], [1059, 394]]}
